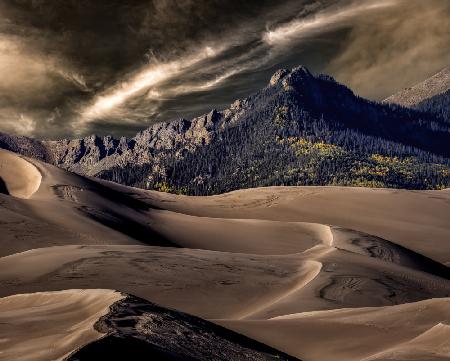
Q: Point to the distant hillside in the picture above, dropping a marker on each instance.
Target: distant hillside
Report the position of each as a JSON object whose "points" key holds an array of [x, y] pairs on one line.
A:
{"points": [[438, 105], [429, 88], [299, 130]]}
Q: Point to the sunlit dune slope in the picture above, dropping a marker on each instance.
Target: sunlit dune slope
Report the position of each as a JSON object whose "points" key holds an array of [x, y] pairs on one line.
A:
{"points": [[18, 177]]}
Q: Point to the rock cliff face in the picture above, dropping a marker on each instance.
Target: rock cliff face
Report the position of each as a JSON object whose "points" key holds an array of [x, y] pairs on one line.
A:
{"points": [[94, 154], [300, 129]]}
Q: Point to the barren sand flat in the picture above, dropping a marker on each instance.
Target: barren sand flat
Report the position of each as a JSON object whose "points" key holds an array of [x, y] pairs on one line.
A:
{"points": [[48, 326], [18, 177], [378, 333]]}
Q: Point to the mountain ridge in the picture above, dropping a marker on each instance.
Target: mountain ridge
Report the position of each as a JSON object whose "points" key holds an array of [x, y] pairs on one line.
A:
{"points": [[300, 129], [437, 84]]}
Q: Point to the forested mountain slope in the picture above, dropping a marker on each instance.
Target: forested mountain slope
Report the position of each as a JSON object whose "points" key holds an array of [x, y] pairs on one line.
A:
{"points": [[438, 105], [299, 130]]}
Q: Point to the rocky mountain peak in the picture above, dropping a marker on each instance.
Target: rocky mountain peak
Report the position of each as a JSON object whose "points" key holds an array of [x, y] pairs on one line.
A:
{"points": [[278, 76], [285, 76]]}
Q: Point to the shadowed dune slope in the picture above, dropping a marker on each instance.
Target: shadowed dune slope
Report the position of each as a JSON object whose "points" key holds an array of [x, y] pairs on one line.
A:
{"points": [[138, 330], [104, 324]]}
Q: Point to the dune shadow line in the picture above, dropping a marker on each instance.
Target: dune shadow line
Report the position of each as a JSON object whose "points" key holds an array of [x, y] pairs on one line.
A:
{"points": [[3, 187]]}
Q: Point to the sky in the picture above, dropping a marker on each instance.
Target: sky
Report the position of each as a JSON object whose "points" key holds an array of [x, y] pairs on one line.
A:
{"points": [[70, 68]]}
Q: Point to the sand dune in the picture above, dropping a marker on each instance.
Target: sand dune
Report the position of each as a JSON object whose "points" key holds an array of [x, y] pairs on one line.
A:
{"points": [[284, 265], [253, 236], [417, 220], [193, 281], [94, 212], [245, 285], [18, 177], [432, 345], [105, 324], [70, 209], [358, 333], [140, 330], [48, 326]]}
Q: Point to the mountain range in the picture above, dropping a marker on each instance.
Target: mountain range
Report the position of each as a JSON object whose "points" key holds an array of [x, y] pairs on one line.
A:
{"points": [[92, 269], [301, 129]]}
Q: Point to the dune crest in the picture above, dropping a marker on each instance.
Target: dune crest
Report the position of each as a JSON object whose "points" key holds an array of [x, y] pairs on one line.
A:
{"points": [[411, 331], [102, 324], [65, 320], [432, 345], [18, 177]]}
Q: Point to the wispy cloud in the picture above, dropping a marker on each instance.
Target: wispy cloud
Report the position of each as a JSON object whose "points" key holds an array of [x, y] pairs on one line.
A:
{"points": [[14, 123], [75, 78], [141, 81], [322, 21]]}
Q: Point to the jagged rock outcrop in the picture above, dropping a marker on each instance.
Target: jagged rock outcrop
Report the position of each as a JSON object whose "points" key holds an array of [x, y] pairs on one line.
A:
{"points": [[27, 146], [93, 154]]}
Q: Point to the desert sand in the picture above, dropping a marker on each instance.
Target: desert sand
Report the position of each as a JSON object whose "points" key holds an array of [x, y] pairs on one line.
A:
{"points": [[19, 178], [363, 269], [49, 326], [412, 331], [96, 324]]}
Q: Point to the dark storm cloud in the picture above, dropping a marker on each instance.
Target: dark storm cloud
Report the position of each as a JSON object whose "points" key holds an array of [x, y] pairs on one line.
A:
{"points": [[55, 54], [115, 36], [77, 66]]}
